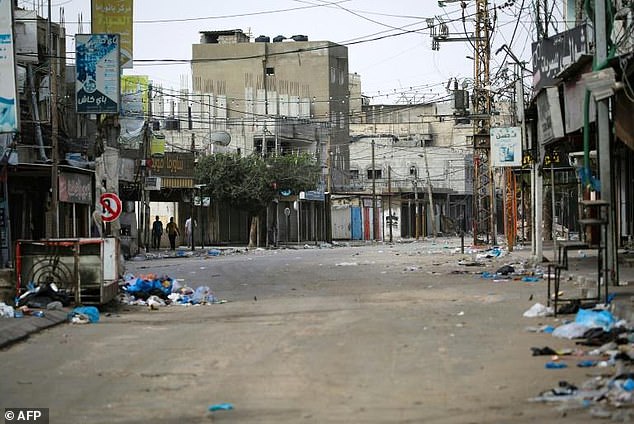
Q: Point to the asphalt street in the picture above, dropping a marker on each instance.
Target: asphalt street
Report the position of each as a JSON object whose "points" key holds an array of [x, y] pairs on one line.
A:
{"points": [[367, 334]]}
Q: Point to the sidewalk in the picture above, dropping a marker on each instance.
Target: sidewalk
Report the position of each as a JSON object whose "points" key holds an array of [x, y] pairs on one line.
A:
{"points": [[15, 329]]}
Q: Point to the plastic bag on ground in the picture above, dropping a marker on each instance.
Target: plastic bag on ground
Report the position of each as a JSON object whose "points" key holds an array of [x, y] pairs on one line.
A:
{"points": [[203, 294], [592, 319], [6, 311], [539, 310], [572, 330], [154, 302], [84, 313]]}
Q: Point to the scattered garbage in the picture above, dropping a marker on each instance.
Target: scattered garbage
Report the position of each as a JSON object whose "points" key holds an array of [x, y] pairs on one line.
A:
{"points": [[225, 406], [153, 302], [144, 286], [555, 365], [539, 310], [571, 330], [530, 279], [40, 296], [84, 315], [55, 306], [6, 311], [591, 319], [609, 392], [543, 351], [155, 292], [505, 270]]}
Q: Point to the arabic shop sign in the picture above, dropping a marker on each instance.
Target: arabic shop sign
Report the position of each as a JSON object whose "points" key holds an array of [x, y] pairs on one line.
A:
{"points": [[506, 146], [115, 17], [97, 83], [75, 188], [173, 165], [553, 55]]}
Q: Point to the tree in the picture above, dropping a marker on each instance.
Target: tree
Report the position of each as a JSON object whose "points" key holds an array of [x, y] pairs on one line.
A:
{"points": [[250, 183]]}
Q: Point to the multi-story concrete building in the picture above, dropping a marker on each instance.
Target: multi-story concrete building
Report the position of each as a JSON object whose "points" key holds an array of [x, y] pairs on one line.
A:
{"points": [[416, 161], [281, 96]]}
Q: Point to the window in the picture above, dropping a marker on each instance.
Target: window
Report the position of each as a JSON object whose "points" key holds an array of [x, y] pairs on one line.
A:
{"points": [[270, 71], [374, 174], [354, 174]]}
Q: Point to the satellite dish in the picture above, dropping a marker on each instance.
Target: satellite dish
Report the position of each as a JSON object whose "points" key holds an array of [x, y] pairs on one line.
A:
{"points": [[221, 138]]}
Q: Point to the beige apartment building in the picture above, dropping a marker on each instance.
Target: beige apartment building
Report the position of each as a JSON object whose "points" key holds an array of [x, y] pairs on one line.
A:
{"points": [[273, 96]]}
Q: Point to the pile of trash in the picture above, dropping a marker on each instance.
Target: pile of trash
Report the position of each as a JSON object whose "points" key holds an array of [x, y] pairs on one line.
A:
{"points": [[155, 291], [41, 295], [602, 341]]}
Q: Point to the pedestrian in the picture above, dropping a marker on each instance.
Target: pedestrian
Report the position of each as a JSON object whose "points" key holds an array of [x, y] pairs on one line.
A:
{"points": [[157, 233], [172, 232], [188, 230]]}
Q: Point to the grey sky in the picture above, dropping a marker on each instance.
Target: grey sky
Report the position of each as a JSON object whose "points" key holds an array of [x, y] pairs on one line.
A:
{"points": [[389, 43]]}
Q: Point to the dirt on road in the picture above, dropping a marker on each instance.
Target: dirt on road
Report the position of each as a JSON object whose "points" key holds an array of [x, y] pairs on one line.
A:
{"points": [[408, 333]]}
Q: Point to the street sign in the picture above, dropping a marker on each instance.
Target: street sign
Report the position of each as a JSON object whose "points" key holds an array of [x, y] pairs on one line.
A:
{"points": [[111, 207]]}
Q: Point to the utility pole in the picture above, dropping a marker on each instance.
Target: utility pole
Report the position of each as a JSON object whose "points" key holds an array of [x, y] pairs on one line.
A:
{"points": [[416, 217], [430, 194], [483, 187], [374, 223], [483, 190], [52, 51], [389, 197]]}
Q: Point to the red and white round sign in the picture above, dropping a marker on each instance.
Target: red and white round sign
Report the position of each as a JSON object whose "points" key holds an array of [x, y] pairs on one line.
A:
{"points": [[110, 207]]}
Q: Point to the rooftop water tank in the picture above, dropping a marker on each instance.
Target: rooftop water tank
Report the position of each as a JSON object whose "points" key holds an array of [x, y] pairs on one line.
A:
{"points": [[263, 39], [299, 38], [279, 39]]}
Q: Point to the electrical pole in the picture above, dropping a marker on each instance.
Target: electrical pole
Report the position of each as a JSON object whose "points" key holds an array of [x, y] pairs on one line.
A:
{"points": [[483, 187], [430, 194], [374, 223], [389, 197], [52, 51]]}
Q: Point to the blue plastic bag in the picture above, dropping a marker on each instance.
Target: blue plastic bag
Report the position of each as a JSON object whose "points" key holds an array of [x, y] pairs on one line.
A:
{"points": [[89, 312], [225, 406], [592, 319]]}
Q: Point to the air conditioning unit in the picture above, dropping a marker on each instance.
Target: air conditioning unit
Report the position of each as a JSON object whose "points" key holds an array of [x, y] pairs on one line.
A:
{"points": [[152, 183]]}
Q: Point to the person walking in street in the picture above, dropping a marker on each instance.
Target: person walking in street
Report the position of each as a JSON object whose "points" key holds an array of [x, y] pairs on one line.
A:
{"points": [[189, 226], [157, 233], [172, 232]]}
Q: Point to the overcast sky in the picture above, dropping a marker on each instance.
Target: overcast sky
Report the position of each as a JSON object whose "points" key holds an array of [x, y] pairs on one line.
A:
{"points": [[389, 43]]}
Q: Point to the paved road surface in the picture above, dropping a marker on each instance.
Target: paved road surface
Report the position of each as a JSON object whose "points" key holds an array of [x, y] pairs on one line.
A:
{"points": [[373, 334]]}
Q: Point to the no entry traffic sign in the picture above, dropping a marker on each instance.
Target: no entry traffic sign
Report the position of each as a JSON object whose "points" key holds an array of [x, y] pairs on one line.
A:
{"points": [[111, 207]]}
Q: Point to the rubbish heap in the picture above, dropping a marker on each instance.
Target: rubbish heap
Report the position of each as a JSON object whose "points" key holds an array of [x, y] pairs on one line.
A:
{"points": [[602, 342], [155, 291]]}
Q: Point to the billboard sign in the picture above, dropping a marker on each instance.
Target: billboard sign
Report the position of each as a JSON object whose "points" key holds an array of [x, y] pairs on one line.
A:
{"points": [[97, 83], [506, 146], [115, 17], [8, 96], [553, 55]]}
